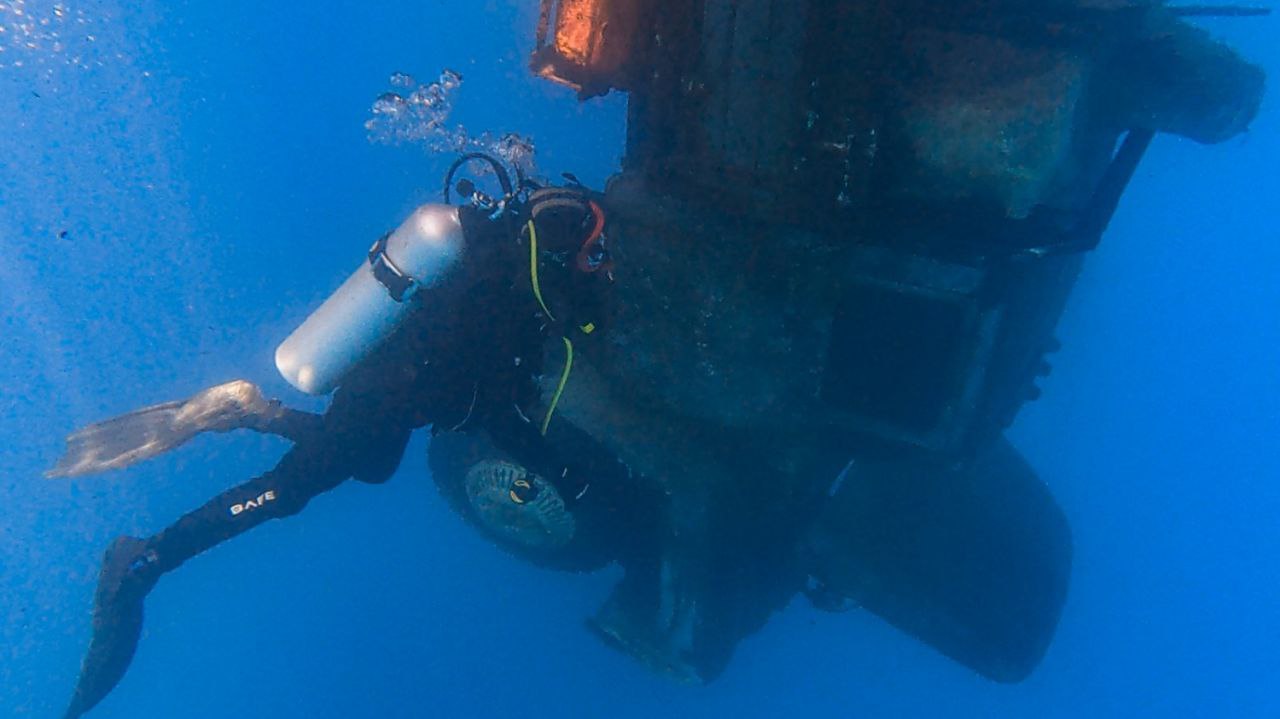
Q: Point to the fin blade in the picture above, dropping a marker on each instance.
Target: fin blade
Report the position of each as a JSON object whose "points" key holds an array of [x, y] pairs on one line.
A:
{"points": [[121, 441], [117, 625]]}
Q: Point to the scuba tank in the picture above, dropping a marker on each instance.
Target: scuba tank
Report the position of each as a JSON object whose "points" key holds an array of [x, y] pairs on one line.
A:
{"points": [[374, 300], [425, 251]]}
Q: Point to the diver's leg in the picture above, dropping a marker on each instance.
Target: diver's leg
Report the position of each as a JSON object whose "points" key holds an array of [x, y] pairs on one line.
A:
{"points": [[302, 474], [294, 425], [132, 566], [362, 435]]}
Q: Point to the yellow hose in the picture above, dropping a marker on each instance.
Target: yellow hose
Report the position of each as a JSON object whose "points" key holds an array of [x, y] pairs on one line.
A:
{"points": [[564, 379], [533, 270]]}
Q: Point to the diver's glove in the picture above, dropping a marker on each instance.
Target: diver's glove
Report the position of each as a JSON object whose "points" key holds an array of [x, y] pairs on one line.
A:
{"points": [[129, 571], [131, 438]]}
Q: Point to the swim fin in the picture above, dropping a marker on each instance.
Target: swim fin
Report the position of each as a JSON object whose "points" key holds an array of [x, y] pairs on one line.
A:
{"points": [[129, 571], [145, 433]]}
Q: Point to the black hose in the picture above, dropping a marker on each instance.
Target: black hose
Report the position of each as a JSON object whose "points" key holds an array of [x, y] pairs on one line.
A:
{"points": [[504, 178]]}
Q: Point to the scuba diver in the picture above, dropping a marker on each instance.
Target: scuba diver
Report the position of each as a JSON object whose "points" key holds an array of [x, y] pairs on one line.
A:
{"points": [[443, 325], [855, 246]]}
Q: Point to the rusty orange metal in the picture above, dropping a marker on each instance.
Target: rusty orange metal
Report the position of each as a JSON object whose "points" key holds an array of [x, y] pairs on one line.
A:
{"points": [[578, 29], [586, 44]]}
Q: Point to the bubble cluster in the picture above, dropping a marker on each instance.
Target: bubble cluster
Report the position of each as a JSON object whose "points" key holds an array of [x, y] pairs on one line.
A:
{"points": [[418, 113], [47, 36], [417, 116], [515, 150]]}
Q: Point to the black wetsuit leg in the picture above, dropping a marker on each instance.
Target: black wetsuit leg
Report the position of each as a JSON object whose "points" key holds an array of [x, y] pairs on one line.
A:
{"points": [[292, 424], [362, 436], [304, 472]]}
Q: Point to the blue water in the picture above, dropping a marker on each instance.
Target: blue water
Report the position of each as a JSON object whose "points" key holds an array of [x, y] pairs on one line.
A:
{"points": [[209, 166]]}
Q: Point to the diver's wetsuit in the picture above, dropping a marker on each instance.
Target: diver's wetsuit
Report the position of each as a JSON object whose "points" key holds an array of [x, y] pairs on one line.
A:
{"points": [[467, 358], [461, 361]]}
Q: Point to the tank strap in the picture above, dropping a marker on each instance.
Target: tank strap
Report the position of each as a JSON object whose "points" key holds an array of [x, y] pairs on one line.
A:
{"points": [[399, 284]]}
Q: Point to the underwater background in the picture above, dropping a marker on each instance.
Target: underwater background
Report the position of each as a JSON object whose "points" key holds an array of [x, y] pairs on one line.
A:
{"points": [[182, 182]]}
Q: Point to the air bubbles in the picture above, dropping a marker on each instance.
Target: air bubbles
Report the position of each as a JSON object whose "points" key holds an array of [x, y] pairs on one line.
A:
{"points": [[516, 150], [418, 113], [47, 37], [416, 116], [388, 103]]}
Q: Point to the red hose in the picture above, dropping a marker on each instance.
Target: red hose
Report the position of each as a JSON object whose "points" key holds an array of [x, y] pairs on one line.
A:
{"points": [[584, 263]]}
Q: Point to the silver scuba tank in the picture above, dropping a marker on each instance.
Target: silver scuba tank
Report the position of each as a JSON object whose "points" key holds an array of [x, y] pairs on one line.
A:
{"points": [[373, 301]]}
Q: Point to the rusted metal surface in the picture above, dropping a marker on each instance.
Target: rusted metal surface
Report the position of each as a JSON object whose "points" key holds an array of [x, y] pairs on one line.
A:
{"points": [[587, 44]]}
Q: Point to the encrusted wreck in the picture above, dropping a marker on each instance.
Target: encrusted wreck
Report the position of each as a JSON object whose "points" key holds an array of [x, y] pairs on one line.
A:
{"points": [[844, 233]]}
